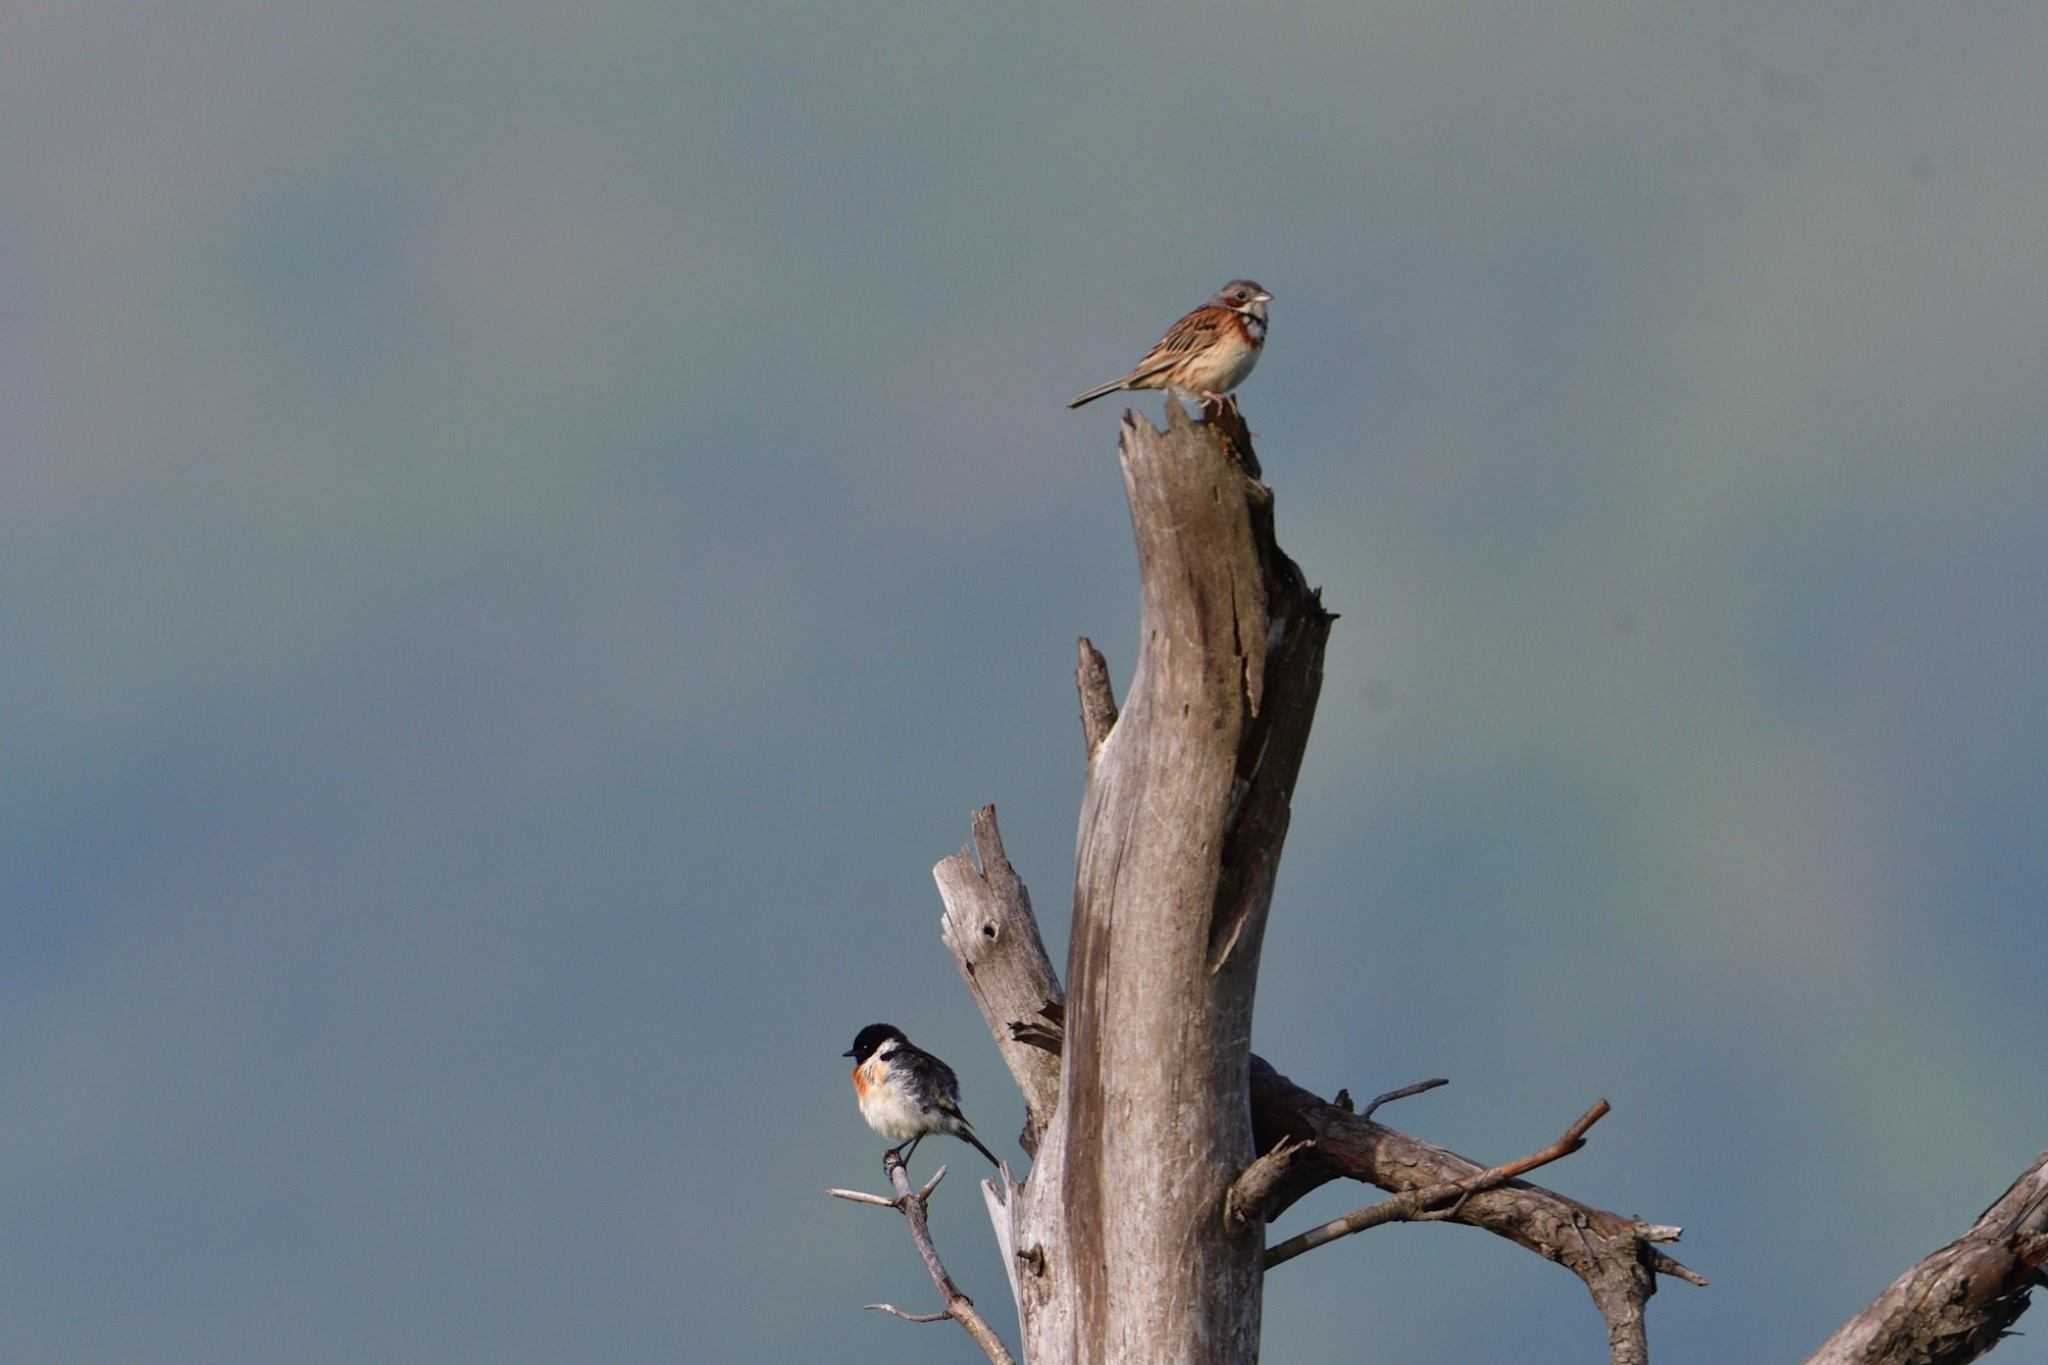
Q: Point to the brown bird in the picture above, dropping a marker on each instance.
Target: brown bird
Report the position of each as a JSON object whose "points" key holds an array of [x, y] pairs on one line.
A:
{"points": [[1207, 353]]}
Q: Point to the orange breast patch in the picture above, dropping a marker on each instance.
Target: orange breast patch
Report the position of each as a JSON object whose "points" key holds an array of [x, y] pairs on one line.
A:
{"points": [[871, 1074]]}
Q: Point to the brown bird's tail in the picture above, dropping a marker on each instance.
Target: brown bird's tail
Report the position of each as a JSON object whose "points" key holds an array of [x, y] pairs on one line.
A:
{"points": [[1089, 397]]}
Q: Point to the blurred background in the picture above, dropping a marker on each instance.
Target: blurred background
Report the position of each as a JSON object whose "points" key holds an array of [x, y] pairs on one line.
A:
{"points": [[526, 529]]}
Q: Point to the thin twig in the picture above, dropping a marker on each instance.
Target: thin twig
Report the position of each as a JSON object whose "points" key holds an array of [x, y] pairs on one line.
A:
{"points": [[1568, 1142], [857, 1197], [1403, 1093], [893, 1311], [1420, 1205], [960, 1308], [1666, 1265]]}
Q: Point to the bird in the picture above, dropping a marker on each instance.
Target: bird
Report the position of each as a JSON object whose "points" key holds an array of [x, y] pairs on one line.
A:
{"points": [[906, 1093], [1209, 352]]}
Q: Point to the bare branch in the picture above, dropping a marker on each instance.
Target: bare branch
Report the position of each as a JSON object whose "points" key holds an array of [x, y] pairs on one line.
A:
{"points": [[941, 1316], [1665, 1265], [857, 1197], [1343, 1100], [989, 927], [1608, 1252], [1419, 1204], [1955, 1304], [958, 1307], [1250, 1192], [1571, 1140]]}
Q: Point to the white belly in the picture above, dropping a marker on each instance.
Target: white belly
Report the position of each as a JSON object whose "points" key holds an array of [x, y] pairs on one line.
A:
{"points": [[889, 1114], [1227, 364]]}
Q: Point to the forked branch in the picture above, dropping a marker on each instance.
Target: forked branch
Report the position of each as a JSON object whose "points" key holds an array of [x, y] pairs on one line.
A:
{"points": [[1616, 1257], [911, 1204], [1433, 1202]]}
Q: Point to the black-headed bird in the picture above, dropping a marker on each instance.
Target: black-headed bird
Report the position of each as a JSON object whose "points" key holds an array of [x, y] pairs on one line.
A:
{"points": [[906, 1093]]}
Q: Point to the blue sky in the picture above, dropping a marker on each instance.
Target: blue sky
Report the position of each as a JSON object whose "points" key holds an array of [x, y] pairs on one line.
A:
{"points": [[528, 529]]}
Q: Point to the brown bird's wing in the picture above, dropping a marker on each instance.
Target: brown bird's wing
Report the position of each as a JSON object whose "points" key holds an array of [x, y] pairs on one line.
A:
{"points": [[1193, 333]]}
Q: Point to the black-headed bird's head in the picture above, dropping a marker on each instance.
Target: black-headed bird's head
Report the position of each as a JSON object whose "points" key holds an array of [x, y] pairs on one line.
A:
{"points": [[869, 1041]]}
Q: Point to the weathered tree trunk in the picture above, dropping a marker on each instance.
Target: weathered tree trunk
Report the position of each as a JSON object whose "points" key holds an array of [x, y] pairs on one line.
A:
{"points": [[1121, 1226], [1139, 1236]]}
